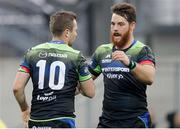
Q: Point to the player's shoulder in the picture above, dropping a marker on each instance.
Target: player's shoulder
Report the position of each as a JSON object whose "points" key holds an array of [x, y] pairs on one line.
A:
{"points": [[142, 46], [139, 44], [104, 47], [138, 47], [47, 45], [108, 45], [72, 50], [40, 46], [34, 48]]}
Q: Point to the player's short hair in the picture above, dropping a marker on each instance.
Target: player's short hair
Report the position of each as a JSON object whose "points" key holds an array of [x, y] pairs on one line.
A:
{"points": [[126, 10], [61, 20]]}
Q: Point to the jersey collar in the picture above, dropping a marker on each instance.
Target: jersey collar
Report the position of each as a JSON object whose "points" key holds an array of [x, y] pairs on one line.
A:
{"points": [[114, 48], [57, 42]]}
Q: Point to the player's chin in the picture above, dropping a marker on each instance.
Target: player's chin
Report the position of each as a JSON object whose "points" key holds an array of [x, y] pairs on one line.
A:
{"points": [[116, 42], [116, 39]]}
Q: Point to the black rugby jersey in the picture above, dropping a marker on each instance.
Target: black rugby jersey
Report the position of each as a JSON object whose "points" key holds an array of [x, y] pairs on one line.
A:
{"points": [[124, 95], [55, 70]]}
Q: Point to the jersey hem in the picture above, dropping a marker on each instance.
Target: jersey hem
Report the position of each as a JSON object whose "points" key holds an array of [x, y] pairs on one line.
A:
{"points": [[58, 118]]}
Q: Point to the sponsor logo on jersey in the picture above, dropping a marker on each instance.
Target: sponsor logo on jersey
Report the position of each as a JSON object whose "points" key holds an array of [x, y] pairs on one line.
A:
{"points": [[43, 54], [106, 60], [108, 56], [115, 69], [57, 55], [114, 76], [46, 97]]}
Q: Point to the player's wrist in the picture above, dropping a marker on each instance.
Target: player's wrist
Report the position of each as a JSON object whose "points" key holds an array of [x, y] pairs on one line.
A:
{"points": [[132, 65], [25, 108]]}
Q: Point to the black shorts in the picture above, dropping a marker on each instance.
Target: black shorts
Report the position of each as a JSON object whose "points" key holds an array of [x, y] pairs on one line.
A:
{"points": [[143, 121], [59, 123]]}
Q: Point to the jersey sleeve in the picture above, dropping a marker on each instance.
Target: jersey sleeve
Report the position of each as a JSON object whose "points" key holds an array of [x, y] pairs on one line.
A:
{"points": [[25, 66], [94, 66], [146, 56], [83, 71]]}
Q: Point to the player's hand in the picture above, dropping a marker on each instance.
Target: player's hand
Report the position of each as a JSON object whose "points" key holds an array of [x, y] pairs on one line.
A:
{"points": [[78, 90], [25, 117], [121, 56]]}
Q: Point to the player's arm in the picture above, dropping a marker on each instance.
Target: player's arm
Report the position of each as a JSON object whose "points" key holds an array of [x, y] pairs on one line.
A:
{"points": [[87, 88], [144, 72], [19, 84], [95, 71], [94, 74], [86, 84], [94, 65]]}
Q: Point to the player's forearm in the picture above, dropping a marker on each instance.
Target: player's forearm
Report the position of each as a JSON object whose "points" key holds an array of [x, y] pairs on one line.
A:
{"points": [[144, 73], [19, 84], [87, 88], [79, 91], [21, 99], [89, 94]]}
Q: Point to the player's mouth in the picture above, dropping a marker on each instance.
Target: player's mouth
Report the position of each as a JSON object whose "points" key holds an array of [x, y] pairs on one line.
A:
{"points": [[116, 34]]}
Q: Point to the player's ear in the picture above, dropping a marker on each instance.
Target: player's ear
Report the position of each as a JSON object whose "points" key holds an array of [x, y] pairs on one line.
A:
{"points": [[132, 25], [67, 33]]}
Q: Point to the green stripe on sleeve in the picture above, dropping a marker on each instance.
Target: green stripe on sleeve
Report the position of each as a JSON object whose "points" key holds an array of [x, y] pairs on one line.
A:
{"points": [[22, 70], [84, 78], [97, 69]]}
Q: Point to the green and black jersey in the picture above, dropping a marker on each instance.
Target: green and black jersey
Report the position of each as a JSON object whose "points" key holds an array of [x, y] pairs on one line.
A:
{"points": [[55, 70], [124, 95]]}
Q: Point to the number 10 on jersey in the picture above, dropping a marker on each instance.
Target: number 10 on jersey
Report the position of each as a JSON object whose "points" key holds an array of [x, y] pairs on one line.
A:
{"points": [[52, 72]]}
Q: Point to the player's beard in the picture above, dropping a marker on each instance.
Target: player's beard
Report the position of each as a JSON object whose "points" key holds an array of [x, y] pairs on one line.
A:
{"points": [[123, 41]]}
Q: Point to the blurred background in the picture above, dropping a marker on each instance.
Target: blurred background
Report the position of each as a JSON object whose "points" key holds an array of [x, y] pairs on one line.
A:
{"points": [[24, 23]]}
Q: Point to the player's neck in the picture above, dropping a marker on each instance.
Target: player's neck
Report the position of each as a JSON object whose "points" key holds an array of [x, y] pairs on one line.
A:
{"points": [[60, 39], [130, 41]]}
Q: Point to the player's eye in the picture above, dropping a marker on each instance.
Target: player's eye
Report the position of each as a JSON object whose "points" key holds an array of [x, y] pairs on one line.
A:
{"points": [[112, 23]]}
